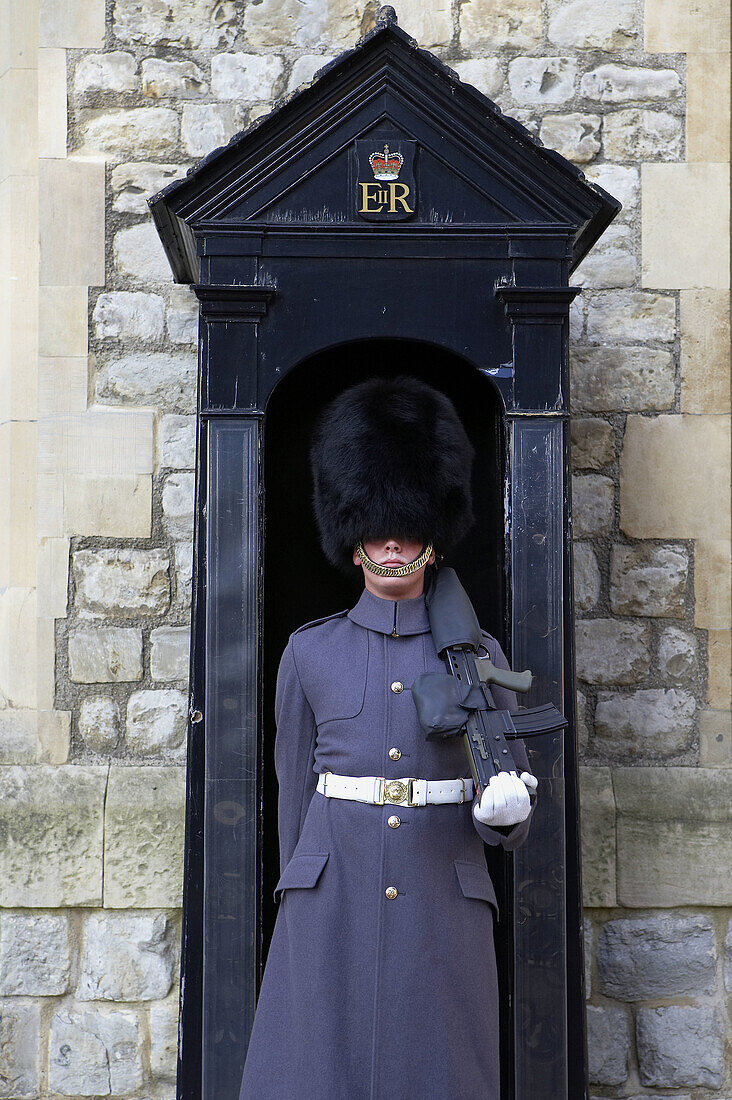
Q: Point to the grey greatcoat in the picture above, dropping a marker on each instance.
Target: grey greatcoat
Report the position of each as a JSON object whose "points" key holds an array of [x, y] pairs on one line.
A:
{"points": [[364, 997]]}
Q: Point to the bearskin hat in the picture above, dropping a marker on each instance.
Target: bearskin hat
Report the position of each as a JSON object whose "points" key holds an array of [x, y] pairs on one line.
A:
{"points": [[390, 458]]}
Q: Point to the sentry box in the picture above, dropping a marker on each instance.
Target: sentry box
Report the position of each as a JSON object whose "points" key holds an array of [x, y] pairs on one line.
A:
{"points": [[387, 218]]}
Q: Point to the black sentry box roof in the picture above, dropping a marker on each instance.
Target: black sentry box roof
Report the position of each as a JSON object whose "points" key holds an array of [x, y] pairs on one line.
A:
{"points": [[480, 169]]}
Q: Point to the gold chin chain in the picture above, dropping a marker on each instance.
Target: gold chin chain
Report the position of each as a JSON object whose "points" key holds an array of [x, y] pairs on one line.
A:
{"points": [[394, 570]]}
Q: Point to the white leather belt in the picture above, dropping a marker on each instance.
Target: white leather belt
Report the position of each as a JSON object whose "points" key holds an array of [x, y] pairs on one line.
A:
{"points": [[399, 792]]}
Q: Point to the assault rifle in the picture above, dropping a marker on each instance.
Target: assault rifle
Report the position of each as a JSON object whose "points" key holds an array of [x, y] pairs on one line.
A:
{"points": [[460, 702]]}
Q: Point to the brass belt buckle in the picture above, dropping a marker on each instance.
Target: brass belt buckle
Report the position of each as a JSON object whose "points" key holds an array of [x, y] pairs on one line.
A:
{"points": [[395, 791]]}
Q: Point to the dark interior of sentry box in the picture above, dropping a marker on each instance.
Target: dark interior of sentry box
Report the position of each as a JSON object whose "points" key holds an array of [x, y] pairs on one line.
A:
{"points": [[300, 584]]}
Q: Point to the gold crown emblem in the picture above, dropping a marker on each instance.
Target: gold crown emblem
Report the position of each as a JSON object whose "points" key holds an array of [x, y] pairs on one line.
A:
{"points": [[386, 165]]}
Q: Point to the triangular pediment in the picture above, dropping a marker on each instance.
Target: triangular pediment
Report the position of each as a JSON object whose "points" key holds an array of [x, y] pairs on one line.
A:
{"points": [[473, 166]]}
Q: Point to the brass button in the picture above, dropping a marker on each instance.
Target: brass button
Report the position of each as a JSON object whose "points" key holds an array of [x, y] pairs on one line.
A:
{"points": [[397, 687], [393, 822], [391, 892], [394, 754]]}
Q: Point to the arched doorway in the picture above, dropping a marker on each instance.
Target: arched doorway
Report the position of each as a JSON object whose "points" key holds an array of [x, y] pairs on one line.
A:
{"points": [[300, 585]]}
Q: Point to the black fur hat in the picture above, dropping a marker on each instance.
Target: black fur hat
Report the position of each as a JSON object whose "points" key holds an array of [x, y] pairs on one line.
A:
{"points": [[390, 457]]}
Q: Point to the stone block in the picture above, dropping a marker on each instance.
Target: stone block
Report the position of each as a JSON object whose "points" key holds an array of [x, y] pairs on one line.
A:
{"points": [[483, 23], [129, 315], [167, 381], [631, 315], [246, 78], [712, 581], [18, 735], [144, 816], [719, 650], [728, 959], [593, 499], [638, 134], [105, 654], [63, 322], [680, 1046], [676, 655], [139, 255], [695, 501], [576, 320], [586, 577], [700, 256], [622, 379], [18, 677], [319, 24], [592, 24], [94, 1052], [705, 336], [125, 957], [207, 126], [583, 733], [430, 24], [164, 1039], [649, 580], [116, 132], [612, 652], [593, 443], [71, 223], [52, 827], [169, 653], [177, 442], [608, 1045], [671, 27], [63, 382], [183, 552], [157, 722], [305, 67], [673, 835], [35, 955], [135, 182], [20, 1043], [612, 261], [52, 103], [707, 131], [715, 738], [121, 582], [587, 938], [179, 79], [188, 24], [576, 136], [541, 80], [178, 499], [107, 506], [484, 73], [597, 804], [623, 84], [182, 316], [622, 182], [71, 25], [99, 723], [106, 72], [652, 723]]}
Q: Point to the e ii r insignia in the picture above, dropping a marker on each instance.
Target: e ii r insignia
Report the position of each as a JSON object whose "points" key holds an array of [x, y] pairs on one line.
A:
{"points": [[386, 189]]}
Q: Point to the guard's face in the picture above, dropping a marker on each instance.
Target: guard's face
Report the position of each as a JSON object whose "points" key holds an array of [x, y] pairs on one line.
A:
{"points": [[393, 551]]}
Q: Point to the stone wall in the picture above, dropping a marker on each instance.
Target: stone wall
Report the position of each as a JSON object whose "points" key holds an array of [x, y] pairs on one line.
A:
{"points": [[104, 104]]}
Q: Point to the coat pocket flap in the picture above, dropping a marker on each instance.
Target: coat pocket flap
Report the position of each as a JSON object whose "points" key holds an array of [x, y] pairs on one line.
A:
{"points": [[302, 871], [475, 882]]}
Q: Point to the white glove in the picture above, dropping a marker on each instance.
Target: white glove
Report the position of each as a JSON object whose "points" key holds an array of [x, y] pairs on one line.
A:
{"points": [[506, 800]]}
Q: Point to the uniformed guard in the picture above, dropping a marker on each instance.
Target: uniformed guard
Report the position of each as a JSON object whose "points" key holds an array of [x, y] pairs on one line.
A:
{"points": [[381, 976]]}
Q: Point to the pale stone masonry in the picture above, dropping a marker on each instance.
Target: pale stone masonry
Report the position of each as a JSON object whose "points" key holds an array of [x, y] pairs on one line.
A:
{"points": [[105, 103]]}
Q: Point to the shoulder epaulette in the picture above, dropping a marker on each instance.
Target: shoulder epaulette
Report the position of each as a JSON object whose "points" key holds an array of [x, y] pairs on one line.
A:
{"points": [[317, 622]]}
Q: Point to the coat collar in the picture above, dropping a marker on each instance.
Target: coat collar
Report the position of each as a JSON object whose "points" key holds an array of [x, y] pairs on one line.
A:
{"points": [[391, 616]]}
